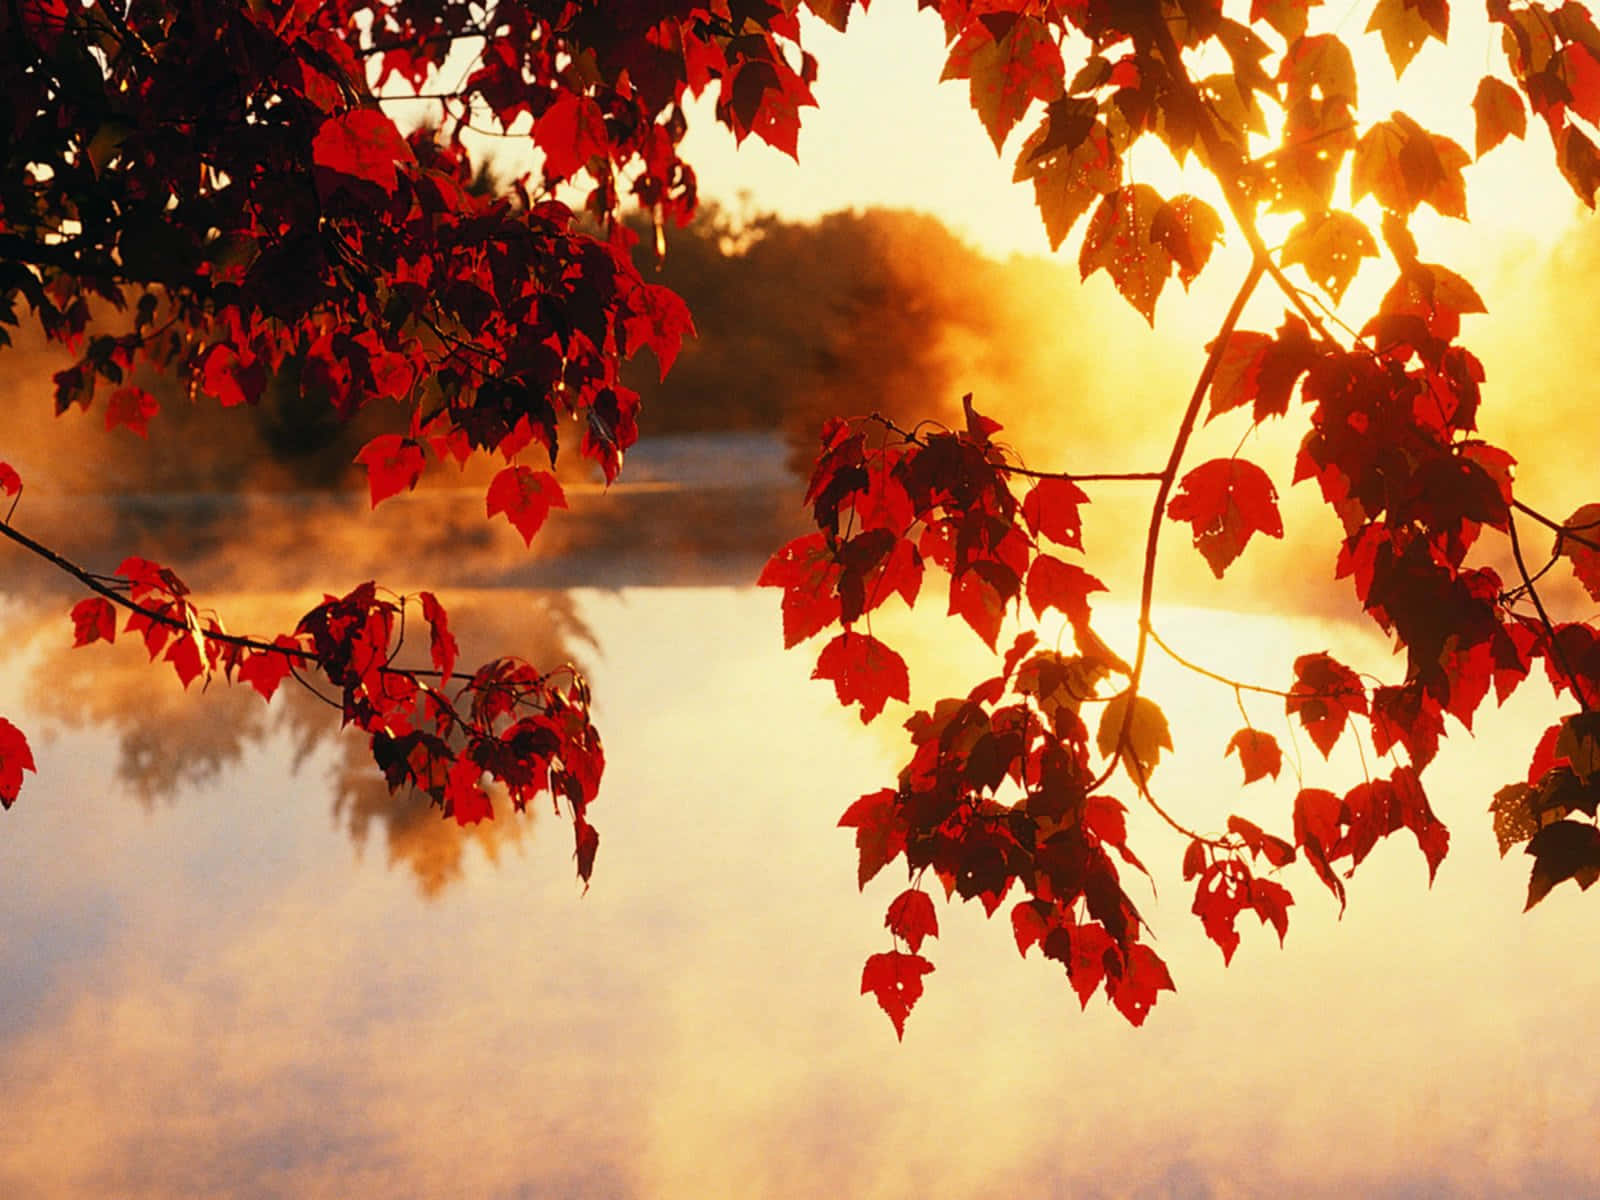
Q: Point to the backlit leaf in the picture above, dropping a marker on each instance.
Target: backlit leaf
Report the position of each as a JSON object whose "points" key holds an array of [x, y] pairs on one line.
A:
{"points": [[896, 980], [864, 671], [1226, 500], [1258, 752], [1067, 182], [1009, 69], [1330, 246], [911, 918], [15, 758], [1406, 24], [1147, 733], [1565, 850], [1499, 114], [94, 620], [526, 497], [393, 463], [1119, 241]]}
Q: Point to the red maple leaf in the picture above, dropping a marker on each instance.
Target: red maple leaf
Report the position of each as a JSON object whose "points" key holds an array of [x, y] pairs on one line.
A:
{"points": [[526, 497], [806, 571], [94, 620], [911, 918], [362, 144], [1259, 754], [880, 836], [265, 670], [10, 481], [863, 671], [132, 407], [1226, 500], [465, 798], [441, 642], [1051, 510], [393, 463], [571, 132], [1324, 694], [15, 758], [896, 980], [1060, 585]]}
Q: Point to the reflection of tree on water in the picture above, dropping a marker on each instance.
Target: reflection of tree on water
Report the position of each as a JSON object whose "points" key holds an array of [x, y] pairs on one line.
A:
{"points": [[171, 741]]}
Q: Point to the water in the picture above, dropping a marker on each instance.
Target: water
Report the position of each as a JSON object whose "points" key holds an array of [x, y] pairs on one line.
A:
{"points": [[229, 968]]}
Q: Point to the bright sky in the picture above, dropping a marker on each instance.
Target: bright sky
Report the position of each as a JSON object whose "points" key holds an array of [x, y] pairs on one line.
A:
{"points": [[887, 133]]}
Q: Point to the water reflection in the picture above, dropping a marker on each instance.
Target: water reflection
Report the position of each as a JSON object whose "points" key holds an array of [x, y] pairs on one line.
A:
{"points": [[212, 999]]}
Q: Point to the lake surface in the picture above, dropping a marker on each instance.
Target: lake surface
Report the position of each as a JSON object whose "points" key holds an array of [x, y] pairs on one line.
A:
{"points": [[231, 966]]}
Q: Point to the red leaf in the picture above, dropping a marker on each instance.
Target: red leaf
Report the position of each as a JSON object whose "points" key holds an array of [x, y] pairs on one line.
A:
{"points": [[1056, 584], [1279, 852], [393, 464], [1051, 510], [807, 573], [1324, 694], [10, 481], [362, 144], [880, 838], [1143, 977], [526, 497], [185, 657], [1226, 500], [15, 758], [660, 320], [978, 602], [896, 980], [265, 670], [441, 642], [94, 620], [1258, 754], [863, 671], [132, 407], [571, 132], [465, 798], [911, 917]]}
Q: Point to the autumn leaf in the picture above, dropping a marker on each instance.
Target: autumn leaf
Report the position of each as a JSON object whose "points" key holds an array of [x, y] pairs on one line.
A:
{"points": [[526, 497], [880, 837], [1565, 850], [132, 408], [1324, 695], [1499, 114], [1330, 245], [1188, 229], [1120, 242], [1258, 752], [1147, 734], [465, 798], [1067, 181], [1011, 61], [1403, 165], [94, 620], [896, 980], [441, 642], [1579, 543], [393, 463], [1143, 978], [15, 758], [264, 670], [1406, 24], [570, 132], [1062, 586], [362, 144], [10, 481], [806, 571], [864, 671], [911, 918], [1226, 500], [1051, 510]]}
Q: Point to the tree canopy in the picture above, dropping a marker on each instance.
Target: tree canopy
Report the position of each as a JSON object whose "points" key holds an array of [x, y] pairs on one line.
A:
{"points": [[231, 186]]}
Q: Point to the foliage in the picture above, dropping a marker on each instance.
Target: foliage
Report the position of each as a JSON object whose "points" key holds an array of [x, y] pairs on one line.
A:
{"points": [[227, 178]]}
